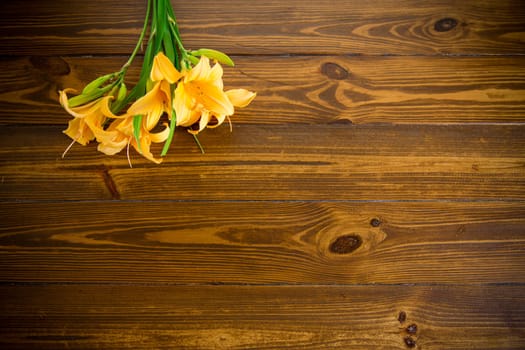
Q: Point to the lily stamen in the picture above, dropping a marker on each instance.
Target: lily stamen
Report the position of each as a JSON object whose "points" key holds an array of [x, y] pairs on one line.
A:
{"points": [[69, 147]]}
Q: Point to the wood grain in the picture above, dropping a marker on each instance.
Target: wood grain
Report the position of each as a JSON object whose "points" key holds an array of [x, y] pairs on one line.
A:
{"points": [[380, 172], [337, 162], [237, 317], [406, 27], [310, 89], [263, 242]]}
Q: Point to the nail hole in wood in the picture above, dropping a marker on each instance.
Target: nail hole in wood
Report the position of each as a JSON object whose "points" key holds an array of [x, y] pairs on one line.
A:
{"points": [[445, 24], [345, 244]]}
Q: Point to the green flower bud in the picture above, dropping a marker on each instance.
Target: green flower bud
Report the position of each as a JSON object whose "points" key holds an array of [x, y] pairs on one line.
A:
{"points": [[113, 91], [122, 92], [84, 98], [215, 55], [95, 84]]}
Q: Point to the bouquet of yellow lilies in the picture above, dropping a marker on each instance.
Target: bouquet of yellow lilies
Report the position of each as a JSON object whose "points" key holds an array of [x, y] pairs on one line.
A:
{"points": [[174, 82]]}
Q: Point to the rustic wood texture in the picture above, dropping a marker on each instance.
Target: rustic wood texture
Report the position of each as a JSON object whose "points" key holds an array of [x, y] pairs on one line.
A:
{"points": [[64, 27], [276, 242], [371, 197], [336, 162], [267, 317], [312, 90]]}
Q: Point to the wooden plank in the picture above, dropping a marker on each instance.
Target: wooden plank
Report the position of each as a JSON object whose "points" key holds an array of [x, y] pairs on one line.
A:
{"points": [[367, 27], [310, 89], [331, 162], [237, 317], [263, 242]]}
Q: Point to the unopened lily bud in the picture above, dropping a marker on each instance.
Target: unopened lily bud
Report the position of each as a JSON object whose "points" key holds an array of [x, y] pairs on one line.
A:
{"points": [[220, 57], [84, 98], [122, 92], [113, 91], [95, 84]]}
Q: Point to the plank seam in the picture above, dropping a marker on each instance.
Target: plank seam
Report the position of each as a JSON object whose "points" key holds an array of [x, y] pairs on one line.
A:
{"points": [[349, 201], [233, 284]]}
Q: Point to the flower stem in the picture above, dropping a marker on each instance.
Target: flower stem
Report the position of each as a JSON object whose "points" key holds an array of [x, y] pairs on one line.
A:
{"points": [[139, 42]]}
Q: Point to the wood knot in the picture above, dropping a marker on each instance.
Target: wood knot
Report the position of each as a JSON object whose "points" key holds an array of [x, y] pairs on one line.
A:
{"points": [[445, 24], [412, 329], [345, 244], [409, 342], [402, 317], [375, 222], [50, 65], [334, 71]]}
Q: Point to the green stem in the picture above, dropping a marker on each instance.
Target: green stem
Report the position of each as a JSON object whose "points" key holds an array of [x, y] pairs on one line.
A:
{"points": [[139, 43]]}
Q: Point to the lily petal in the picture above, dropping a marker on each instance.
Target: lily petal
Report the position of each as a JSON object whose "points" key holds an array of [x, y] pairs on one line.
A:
{"points": [[80, 111], [153, 104], [183, 105], [215, 76], [219, 118], [211, 97], [240, 97], [79, 131], [200, 71], [163, 69], [145, 144], [160, 136], [113, 147]]}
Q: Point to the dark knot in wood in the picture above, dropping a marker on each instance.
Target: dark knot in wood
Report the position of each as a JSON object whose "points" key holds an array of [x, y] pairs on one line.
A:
{"points": [[50, 65], [409, 342], [375, 222], [334, 71], [412, 329], [345, 244], [445, 24]]}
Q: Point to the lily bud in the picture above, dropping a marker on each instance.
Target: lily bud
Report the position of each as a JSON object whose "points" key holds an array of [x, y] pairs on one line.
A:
{"points": [[122, 92], [113, 92], [83, 98], [95, 84], [214, 55]]}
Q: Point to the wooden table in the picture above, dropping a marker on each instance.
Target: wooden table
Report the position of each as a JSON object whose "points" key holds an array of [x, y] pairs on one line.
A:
{"points": [[371, 197]]}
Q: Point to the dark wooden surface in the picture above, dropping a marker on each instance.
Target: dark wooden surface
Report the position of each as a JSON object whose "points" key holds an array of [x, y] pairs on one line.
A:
{"points": [[380, 172]]}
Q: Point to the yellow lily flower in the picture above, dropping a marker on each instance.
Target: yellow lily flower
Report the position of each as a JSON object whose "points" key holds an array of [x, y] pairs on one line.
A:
{"points": [[200, 97], [87, 119], [146, 138], [153, 104], [158, 99], [238, 97], [163, 69], [119, 134], [113, 140]]}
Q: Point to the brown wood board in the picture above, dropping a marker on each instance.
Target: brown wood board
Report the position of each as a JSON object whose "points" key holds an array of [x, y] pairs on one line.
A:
{"points": [[337, 162], [406, 27], [262, 242], [306, 89], [371, 197], [264, 317]]}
